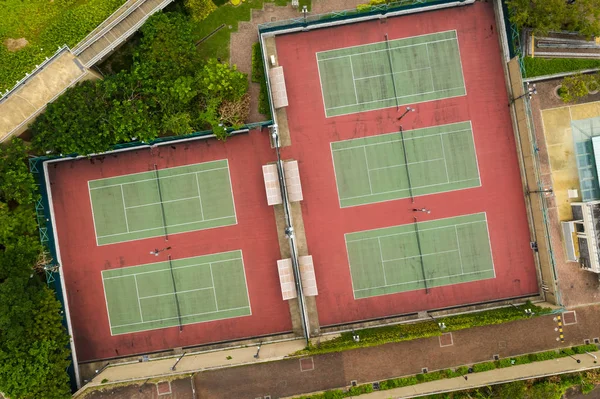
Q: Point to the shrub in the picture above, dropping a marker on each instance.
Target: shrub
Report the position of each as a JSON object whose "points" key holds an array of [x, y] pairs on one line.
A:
{"points": [[484, 367], [574, 87], [200, 9]]}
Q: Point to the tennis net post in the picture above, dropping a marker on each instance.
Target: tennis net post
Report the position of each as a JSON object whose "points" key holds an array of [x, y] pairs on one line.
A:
{"points": [[175, 294], [160, 200], [389, 53], [421, 255], [410, 191]]}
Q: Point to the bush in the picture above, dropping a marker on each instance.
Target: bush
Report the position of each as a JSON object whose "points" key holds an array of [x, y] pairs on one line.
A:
{"points": [[487, 366], [200, 9], [575, 87], [258, 76]]}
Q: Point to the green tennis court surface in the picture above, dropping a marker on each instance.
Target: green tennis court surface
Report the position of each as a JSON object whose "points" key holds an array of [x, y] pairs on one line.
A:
{"points": [[374, 169], [207, 287], [386, 74], [387, 261], [193, 197]]}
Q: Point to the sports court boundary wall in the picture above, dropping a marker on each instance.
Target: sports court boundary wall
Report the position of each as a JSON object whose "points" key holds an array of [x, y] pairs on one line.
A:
{"points": [[536, 204], [47, 225]]}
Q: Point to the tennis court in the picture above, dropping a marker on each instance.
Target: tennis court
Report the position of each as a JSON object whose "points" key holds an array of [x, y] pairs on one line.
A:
{"points": [[175, 293], [400, 165], [162, 202], [391, 73], [420, 255]]}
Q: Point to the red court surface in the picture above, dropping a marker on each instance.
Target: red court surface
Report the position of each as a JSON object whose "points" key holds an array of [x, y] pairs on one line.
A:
{"points": [[82, 260], [500, 195]]}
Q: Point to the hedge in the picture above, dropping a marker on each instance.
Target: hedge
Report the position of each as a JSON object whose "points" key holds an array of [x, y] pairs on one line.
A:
{"points": [[258, 76], [405, 332], [549, 66]]}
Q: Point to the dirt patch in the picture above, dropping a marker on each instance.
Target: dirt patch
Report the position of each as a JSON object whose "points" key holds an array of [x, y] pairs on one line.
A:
{"points": [[14, 45]]}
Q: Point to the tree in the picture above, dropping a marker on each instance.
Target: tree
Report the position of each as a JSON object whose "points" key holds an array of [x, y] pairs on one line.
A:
{"points": [[33, 343], [544, 16], [575, 87], [218, 80], [17, 184], [200, 9]]}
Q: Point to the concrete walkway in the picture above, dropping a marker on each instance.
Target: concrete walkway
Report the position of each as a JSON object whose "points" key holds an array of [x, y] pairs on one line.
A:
{"points": [[498, 376], [197, 362]]}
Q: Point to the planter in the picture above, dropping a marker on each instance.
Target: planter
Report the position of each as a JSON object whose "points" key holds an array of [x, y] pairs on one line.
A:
{"points": [[593, 87], [557, 92]]}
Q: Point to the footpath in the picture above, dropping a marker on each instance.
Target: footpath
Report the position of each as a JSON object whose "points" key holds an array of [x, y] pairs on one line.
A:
{"points": [[274, 375], [498, 376]]}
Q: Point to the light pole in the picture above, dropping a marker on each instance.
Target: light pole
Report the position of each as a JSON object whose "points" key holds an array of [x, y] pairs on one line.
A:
{"points": [[424, 210], [408, 109], [531, 90], [441, 326], [158, 251], [572, 357], [304, 13]]}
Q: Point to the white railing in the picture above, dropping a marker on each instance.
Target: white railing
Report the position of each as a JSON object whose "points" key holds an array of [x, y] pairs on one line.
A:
{"points": [[34, 72], [94, 36]]}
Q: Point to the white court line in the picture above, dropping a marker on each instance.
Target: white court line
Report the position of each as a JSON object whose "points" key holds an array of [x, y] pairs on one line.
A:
{"points": [[170, 168], [395, 73], [382, 262], [379, 51], [171, 225], [398, 140], [404, 164], [430, 70], [394, 40], [353, 81], [212, 278], [173, 318], [93, 216], [154, 179], [445, 162], [459, 254], [414, 130], [164, 202], [200, 197], [173, 293], [405, 189], [137, 294], [412, 232], [166, 269], [393, 98], [368, 176], [124, 208], [419, 256], [418, 281]]}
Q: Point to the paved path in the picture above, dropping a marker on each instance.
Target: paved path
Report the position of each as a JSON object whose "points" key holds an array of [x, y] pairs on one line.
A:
{"points": [[286, 378]]}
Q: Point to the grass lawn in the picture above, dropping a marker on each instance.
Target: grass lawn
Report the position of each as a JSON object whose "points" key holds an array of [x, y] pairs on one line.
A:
{"points": [[217, 46], [46, 25]]}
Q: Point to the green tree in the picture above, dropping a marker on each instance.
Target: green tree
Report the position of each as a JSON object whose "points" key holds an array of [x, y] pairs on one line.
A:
{"points": [[33, 343], [575, 87], [218, 80], [544, 16], [200, 9], [17, 184]]}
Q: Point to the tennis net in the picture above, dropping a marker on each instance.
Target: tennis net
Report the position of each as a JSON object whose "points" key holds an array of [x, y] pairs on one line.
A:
{"points": [[160, 200]]}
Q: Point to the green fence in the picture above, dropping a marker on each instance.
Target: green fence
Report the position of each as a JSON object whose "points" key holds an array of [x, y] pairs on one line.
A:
{"points": [[361, 11]]}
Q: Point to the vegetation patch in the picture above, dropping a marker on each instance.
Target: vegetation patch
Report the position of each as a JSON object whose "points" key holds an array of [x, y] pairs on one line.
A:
{"points": [[258, 76], [586, 382], [45, 26], [406, 332], [550, 66]]}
